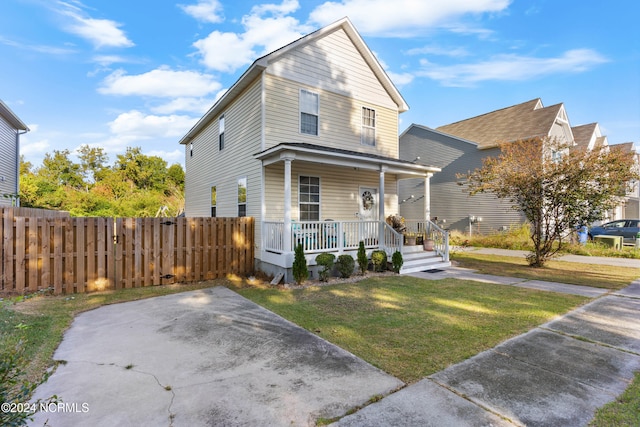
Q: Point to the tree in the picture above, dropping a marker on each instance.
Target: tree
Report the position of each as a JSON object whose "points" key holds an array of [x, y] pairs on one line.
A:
{"points": [[59, 170], [146, 172], [300, 270], [556, 186], [92, 161]]}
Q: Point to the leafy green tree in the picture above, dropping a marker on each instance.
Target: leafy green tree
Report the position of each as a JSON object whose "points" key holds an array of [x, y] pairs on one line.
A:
{"points": [[146, 172], [59, 170], [92, 162], [557, 187], [175, 175]]}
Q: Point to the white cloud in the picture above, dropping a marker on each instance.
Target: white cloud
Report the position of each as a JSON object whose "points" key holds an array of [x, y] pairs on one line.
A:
{"points": [[511, 68], [161, 82], [106, 60], [454, 52], [49, 50], [401, 18], [192, 105], [171, 157], [36, 148], [266, 28], [100, 32], [205, 11], [135, 125], [400, 79]]}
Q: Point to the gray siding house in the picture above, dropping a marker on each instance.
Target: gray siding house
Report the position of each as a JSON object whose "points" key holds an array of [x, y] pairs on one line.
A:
{"points": [[459, 148], [11, 127]]}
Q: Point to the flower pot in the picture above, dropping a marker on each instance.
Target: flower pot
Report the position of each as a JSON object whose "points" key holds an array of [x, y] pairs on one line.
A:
{"points": [[410, 240], [428, 244]]}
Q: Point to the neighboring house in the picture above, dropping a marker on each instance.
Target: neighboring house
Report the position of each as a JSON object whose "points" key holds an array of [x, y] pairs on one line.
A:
{"points": [[631, 205], [459, 148], [306, 141], [11, 127]]}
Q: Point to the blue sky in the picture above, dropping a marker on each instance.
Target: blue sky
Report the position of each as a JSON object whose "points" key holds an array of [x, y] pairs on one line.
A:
{"points": [[140, 73]]}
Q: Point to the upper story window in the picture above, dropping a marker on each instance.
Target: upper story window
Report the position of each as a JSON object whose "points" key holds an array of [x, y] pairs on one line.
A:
{"points": [[221, 132], [242, 196], [368, 127], [309, 109], [214, 200], [191, 149]]}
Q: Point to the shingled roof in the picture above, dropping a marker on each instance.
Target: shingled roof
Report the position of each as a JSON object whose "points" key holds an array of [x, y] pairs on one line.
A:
{"points": [[522, 121], [582, 134]]}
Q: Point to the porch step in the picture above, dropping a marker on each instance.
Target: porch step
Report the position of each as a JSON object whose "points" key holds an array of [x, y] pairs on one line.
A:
{"points": [[416, 259]]}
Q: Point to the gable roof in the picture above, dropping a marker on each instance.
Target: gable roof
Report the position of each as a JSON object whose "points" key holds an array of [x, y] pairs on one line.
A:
{"points": [[582, 134], [522, 121], [11, 117], [260, 64]]}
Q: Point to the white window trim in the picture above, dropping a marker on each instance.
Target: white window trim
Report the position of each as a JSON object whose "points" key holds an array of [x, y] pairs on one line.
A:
{"points": [[319, 195], [212, 205], [246, 198], [300, 112], [363, 126], [222, 120]]}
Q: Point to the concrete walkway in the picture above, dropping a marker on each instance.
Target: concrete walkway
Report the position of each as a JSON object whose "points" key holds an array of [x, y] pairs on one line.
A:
{"points": [[202, 358], [555, 375], [211, 357]]}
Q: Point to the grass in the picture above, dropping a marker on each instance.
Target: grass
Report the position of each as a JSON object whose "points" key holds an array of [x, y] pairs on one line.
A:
{"points": [[517, 237], [597, 276], [624, 411], [40, 322], [413, 327]]}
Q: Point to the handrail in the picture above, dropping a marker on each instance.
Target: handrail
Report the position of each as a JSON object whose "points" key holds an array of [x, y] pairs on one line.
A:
{"points": [[393, 240]]}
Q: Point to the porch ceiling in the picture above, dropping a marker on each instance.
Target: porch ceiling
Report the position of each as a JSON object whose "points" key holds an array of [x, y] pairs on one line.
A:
{"points": [[346, 158]]}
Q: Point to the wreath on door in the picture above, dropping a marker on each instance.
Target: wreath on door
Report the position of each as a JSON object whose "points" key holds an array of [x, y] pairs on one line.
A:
{"points": [[367, 200]]}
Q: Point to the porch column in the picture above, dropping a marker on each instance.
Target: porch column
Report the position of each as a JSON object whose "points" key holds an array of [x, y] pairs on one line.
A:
{"points": [[286, 244], [427, 197], [381, 216]]}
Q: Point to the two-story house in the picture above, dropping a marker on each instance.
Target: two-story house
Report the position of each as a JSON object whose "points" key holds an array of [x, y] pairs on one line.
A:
{"points": [[306, 142], [458, 148], [11, 127]]}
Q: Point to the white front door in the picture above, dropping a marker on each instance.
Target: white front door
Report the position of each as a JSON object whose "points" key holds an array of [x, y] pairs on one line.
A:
{"points": [[368, 201]]}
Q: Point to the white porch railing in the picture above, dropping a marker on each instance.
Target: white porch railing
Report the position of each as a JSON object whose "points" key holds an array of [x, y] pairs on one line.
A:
{"points": [[338, 236], [321, 236], [430, 230]]}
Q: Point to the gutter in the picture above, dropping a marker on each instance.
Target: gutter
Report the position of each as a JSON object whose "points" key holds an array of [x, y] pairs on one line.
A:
{"points": [[18, 133]]}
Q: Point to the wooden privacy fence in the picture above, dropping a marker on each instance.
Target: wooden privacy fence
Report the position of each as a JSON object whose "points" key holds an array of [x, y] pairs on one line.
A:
{"points": [[71, 255]]}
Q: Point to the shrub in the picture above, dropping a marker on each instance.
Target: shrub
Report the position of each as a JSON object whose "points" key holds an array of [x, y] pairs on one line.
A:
{"points": [[326, 261], [14, 388], [363, 261], [300, 271], [397, 261], [379, 260], [345, 265]]}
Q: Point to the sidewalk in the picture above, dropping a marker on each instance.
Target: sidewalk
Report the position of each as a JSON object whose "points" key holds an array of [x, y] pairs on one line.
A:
{"points": [[616, 262], [557, 374]]}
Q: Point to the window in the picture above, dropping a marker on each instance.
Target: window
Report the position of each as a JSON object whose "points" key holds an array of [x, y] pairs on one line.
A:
{"points": [[214, 197], [556, 156], [368, 126], [308, 112], [221, 133], [309, 198], [242, 196], [191, 150]]}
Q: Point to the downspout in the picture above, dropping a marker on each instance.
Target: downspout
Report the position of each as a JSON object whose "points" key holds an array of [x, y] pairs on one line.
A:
{"points": [[18, 133]]}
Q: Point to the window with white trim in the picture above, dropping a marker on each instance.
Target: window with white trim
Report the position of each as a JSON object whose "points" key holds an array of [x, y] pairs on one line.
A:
{"points": [[309, 110], [242, 196], [221, 133], [214, 200], [309, 198], [368, 127]]}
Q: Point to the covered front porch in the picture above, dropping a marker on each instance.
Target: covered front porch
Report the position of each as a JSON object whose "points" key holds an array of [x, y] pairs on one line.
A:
{"points": [[350, 195]]}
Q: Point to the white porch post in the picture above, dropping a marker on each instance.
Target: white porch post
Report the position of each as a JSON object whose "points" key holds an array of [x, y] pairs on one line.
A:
{"points": [[288, 158], [381, 216], [427, 197]]}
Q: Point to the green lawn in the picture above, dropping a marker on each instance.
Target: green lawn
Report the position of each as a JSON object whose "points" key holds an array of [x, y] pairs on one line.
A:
{"points": [[597, 276], [412, 327]]}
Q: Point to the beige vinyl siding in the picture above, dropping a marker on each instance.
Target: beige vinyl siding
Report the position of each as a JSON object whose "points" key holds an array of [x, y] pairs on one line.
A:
{"points": [[8, 163], [333, 63], [210, 166], [339, 190], [340, 119]]}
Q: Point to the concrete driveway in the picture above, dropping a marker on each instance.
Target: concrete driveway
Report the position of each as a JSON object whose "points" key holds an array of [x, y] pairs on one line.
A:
{"points": [[207, 357]]}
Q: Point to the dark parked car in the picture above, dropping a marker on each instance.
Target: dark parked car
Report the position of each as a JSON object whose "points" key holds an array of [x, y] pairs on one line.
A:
{"points": [[627, 228]]}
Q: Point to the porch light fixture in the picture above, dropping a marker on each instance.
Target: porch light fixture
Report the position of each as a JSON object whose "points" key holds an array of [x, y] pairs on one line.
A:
{"points": [[473, 220]]}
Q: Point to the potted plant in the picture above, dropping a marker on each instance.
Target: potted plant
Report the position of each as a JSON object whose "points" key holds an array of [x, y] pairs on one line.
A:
{"points": [[410, 239], [428, 244]]}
